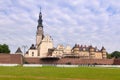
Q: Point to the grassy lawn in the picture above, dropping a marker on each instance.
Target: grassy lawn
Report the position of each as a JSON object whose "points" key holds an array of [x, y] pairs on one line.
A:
{"points": [[55, 73]]}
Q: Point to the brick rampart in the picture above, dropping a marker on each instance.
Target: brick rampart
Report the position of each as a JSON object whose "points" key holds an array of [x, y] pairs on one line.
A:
{"points": [[69, 61], [117, 61], [11, 59], [19, 59]]}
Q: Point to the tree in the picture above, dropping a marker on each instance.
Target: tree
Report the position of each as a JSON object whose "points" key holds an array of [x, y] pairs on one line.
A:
{"points": [[115, 54], [109, 56], [4, 48]]}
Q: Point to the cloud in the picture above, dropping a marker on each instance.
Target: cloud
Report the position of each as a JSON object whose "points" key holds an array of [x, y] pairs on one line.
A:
{"points": [[68, 22]]}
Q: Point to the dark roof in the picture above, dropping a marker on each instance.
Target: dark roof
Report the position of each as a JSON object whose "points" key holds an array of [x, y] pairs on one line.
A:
{"points": [[103, 48], [32, 46], [87, 48], [18, 50]]}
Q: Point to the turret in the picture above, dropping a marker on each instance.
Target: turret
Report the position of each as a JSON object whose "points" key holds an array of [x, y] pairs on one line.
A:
{"points": [[92, 52], [91, 49], [76, 49], [103, 50], [104, 53], [18, 51]]}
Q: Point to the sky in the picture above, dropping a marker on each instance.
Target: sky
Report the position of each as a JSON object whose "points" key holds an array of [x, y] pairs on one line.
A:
{"points": [[86, 22]]}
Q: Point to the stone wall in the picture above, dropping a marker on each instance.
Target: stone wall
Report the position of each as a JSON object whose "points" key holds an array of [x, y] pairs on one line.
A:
{"points": [[69, 61], [117, 61], [18, 59], [32, 60], [11, 59], [85, 61]]}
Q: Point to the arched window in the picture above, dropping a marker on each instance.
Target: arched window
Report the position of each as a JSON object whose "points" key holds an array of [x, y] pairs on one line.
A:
{"points": [[32, 53]]}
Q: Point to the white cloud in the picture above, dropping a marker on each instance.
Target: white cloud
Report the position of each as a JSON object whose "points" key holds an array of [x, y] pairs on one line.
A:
{"points": [[82, 21]]}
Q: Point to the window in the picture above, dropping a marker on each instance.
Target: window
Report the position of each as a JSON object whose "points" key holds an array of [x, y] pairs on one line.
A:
{"points": [[32, 53]]}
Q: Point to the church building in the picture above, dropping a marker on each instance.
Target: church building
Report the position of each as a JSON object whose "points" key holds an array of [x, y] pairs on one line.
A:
{"points": [[44, 48], [43, 42]]}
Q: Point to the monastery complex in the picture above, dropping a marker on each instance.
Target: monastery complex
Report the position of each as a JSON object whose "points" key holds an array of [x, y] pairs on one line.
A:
{"points": [[44, 48], [44, 52]]}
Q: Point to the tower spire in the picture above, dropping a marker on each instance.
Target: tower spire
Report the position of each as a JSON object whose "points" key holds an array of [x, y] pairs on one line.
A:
{"points": [[40, 19], [39, 33]]}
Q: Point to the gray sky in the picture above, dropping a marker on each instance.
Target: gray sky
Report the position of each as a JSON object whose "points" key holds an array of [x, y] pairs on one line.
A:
{"points": [[87, 22]]}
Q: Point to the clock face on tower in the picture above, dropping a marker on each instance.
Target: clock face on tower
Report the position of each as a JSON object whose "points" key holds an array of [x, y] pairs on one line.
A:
{"points": [[40, 28]]}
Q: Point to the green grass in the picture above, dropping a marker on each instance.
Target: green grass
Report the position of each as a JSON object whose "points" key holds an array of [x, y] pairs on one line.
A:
{"points": [[55, 73]]}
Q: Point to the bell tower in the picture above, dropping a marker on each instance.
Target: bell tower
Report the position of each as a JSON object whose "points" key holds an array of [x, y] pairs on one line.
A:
{"points": [[39, 33]]}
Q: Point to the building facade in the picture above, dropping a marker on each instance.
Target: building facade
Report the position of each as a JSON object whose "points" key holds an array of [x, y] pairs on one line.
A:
{"points": [[82, 52], [43, 42], [44, 48]]}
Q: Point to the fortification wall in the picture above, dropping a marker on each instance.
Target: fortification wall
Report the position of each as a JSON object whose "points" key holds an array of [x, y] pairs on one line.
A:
{"points": [[11, 59], [117, 61], [85, 61], [69, 61], [32, 60], [19, 59]]}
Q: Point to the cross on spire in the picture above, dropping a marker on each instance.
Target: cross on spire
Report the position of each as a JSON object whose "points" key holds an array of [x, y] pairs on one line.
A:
{"points": [[40, 8]]}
